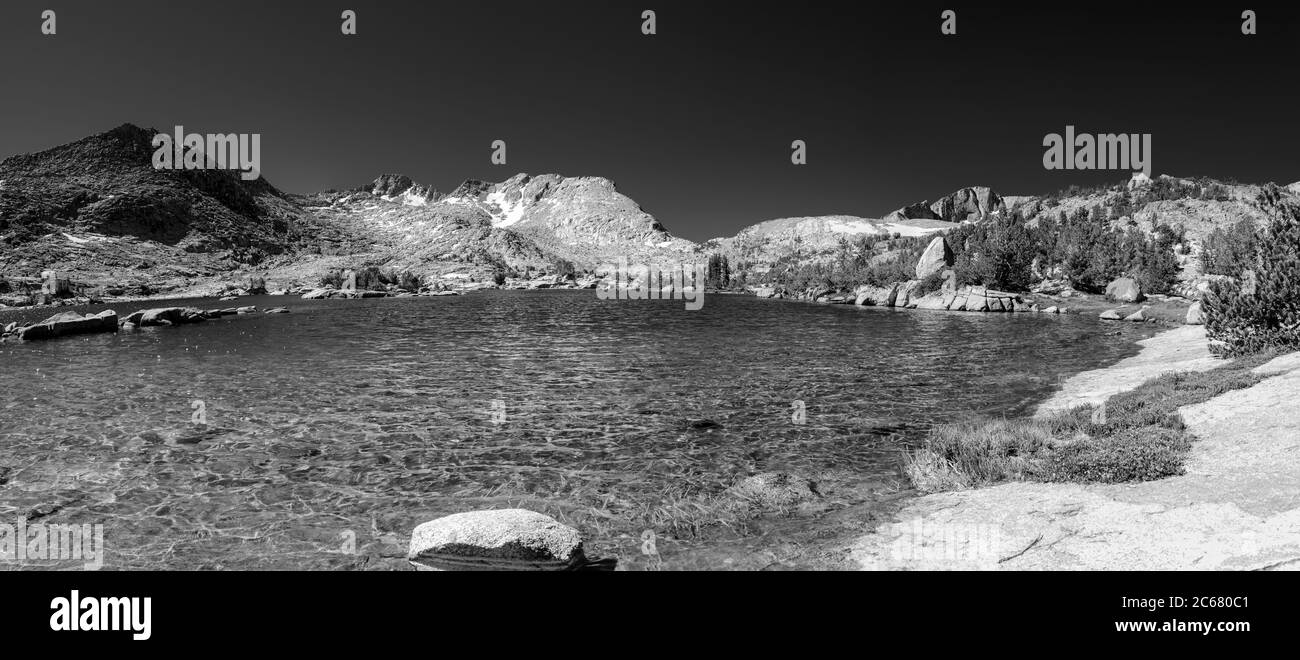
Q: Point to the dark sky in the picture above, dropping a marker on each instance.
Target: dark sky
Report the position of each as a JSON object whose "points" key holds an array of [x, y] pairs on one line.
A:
{"points": [[694, 123]]}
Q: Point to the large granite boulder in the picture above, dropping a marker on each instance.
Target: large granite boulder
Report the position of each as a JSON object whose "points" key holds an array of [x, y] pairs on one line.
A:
{"points": [[936, 258], [1125, 289], [69, 323], [1195, 315], [504, 539]]}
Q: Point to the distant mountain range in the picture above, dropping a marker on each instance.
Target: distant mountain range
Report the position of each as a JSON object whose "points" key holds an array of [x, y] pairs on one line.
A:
{"points": [[98, 210]]}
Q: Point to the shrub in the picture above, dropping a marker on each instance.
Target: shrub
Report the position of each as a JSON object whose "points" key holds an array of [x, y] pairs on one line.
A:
{"points": [[1248, 317], [929, 284], [1230, 251], [1136, 454], [408, 281]]}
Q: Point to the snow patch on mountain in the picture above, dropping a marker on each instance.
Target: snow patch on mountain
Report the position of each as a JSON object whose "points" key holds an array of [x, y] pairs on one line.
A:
{"points": [[508, 213]]}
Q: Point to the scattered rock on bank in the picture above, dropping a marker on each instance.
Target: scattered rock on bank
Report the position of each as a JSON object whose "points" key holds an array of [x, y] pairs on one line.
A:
{"points": [[68, 323], [165, 316], [332, 293], [1111, 315], [1139, 316], [505, 539]]}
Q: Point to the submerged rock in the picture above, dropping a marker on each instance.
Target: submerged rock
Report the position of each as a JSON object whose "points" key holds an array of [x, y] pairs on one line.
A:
{"points": [[69, 323], [505, 539]]}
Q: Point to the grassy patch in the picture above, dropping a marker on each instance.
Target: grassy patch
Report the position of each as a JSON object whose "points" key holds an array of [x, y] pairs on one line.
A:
{"points": [[1135, 436]]}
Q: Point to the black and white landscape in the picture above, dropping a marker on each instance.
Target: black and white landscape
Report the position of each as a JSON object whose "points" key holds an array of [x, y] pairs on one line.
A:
{"points": [[909, 292]]}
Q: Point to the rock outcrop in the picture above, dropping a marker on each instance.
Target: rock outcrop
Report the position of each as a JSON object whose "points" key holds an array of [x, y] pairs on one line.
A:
{"points": [[968, 205], [69, 323]]}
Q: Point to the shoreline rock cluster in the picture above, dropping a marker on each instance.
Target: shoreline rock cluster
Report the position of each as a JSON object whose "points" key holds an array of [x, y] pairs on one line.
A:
{"points": [[72, 323], [950, 298]]}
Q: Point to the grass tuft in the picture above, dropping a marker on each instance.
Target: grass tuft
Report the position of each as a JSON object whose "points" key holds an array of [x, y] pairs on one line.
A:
{"points": [[1136, 436]]}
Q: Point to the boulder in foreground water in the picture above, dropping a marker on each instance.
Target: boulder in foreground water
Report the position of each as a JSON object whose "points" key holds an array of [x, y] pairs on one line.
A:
{"points": [[496, 540], [69, 323]]}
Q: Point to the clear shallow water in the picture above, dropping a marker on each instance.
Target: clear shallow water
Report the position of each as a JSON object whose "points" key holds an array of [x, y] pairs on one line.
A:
{"points": [[345, 423]]}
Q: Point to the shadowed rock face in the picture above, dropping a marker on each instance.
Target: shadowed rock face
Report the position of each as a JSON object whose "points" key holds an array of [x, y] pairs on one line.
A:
{"points": [[506, 539], [968, 205], [106, 184]]}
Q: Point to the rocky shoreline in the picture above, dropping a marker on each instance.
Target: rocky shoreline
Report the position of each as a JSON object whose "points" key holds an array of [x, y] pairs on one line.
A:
{"points": [[1236, 507]]}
